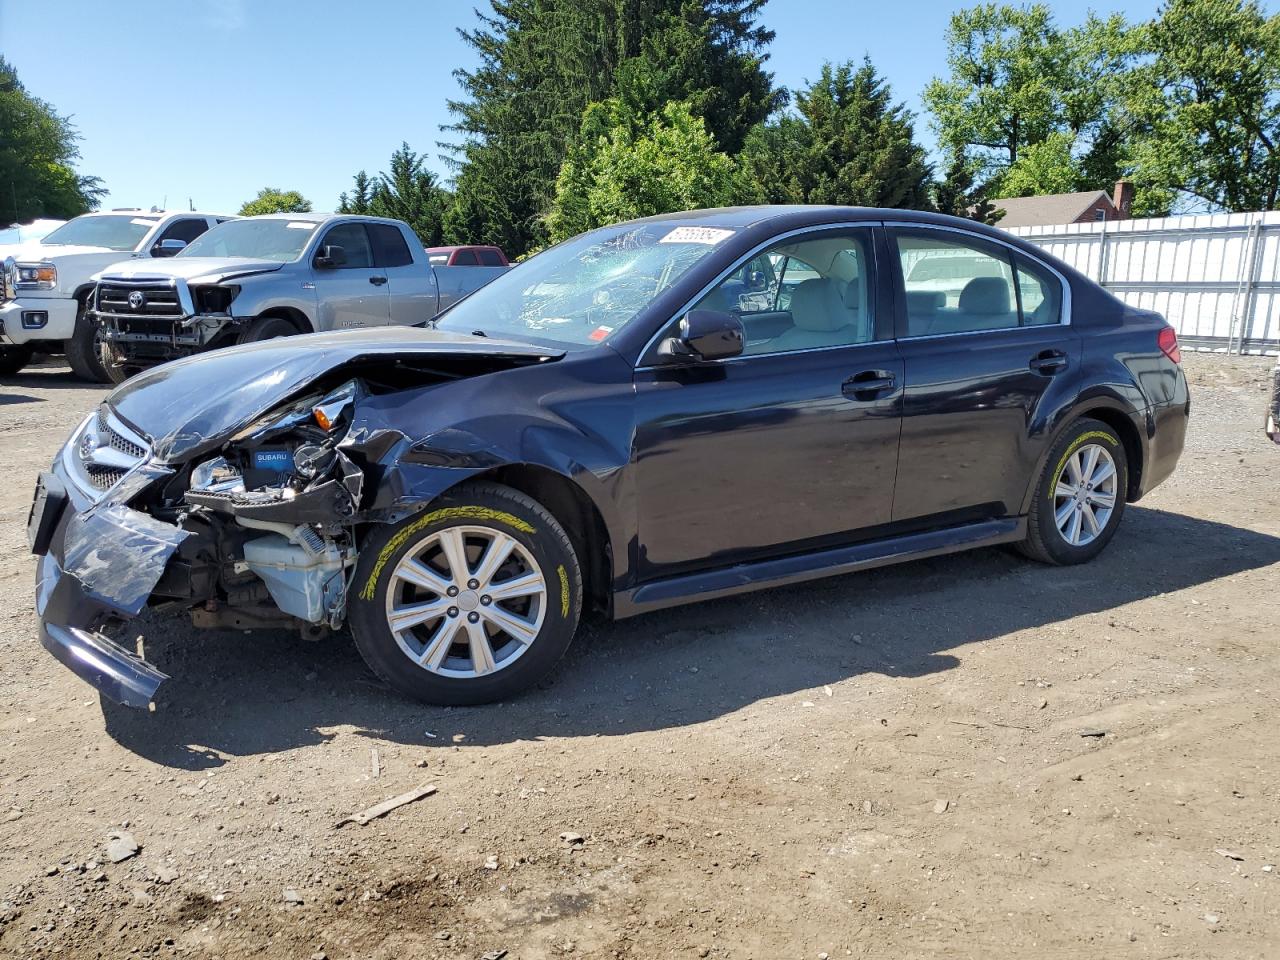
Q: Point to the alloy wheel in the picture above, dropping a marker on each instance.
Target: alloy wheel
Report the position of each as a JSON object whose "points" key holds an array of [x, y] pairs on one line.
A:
{"points": [[466, 601], [1084, 496]]}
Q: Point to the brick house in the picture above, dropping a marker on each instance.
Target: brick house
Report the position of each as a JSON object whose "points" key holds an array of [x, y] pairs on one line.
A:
{"points": [[1055, 208]]}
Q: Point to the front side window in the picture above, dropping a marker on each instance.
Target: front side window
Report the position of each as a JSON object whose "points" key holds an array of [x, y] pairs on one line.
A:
{"points": [[354, 241], [113, 231], [804, 294], [185, 230], [955, 284], [281, 240], [585, 290]]}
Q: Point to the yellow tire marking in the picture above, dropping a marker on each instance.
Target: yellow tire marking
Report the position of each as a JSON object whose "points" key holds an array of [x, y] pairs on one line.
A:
{"points": [[1075, 445], [444, 513], [564, 591]]}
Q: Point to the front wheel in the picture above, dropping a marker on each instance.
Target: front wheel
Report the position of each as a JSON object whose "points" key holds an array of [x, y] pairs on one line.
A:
{"points": [[1080, 497], [266, 328], [470, 601], [84, 349]]}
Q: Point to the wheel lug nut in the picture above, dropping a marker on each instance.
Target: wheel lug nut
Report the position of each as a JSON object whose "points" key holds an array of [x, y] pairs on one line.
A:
{"points": [[472, 584], [453, 611], [486, 600], [473, 618], [452, 591]]}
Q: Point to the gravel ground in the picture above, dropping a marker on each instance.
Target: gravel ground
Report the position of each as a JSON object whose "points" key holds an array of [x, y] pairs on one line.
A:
{"points": [[892, 764]]}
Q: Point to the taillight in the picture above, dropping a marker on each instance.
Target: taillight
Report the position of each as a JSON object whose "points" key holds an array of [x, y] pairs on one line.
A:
{"points": [[1168, 343]]}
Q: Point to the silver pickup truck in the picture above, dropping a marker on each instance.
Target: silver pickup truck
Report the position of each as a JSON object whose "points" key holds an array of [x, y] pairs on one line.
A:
{"points": [[272, 276]]}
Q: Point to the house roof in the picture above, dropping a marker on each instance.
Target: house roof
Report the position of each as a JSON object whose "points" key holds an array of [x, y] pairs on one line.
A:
{"points": [[1048, 209]]}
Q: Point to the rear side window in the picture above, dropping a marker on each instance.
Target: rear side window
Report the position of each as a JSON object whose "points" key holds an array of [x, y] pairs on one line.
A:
{"points": [[389, 246], [490, 258], [353, 240], [959, 284], [1039, 293], [465, 258]]}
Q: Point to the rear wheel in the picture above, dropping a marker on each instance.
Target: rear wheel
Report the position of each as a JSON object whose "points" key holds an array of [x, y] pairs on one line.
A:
{"points": [[471, 601], [266, 328], [84, 349], [1080, 497], [14, 358]]}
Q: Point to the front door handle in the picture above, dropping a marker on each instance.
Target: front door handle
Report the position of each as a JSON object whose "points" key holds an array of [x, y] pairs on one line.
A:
{"points": [[377, 281], [869, 385], [1049, 362]]}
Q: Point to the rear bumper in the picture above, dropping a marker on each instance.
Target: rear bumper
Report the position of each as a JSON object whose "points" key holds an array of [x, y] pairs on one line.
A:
{"points": [[37, 319], [1166, 430]]}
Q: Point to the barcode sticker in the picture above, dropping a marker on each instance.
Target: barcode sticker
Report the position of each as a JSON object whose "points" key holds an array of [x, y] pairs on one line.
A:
{"points": [[707, 235]]}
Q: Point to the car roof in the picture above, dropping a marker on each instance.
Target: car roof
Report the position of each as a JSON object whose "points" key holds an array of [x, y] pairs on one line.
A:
{"points": [[462, 246], [157, 214]]}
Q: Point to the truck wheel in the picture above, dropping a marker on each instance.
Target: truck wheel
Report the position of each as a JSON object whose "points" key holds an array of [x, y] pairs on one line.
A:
{"points": [[84, 350], [13, 359], [116, 371], [472, 600], [266, 328]]}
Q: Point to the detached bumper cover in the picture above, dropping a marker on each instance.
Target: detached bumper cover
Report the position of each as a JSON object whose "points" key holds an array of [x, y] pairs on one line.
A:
{"points": [[102, 563]]}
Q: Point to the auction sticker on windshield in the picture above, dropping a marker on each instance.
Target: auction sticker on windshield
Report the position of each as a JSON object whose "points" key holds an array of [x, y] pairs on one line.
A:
{"points": [[300, 225], [708, 235]]}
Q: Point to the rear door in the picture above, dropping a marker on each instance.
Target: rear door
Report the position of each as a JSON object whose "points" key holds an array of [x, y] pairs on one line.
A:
{"points": [[411, 286], [988, 348], [355, 294]]}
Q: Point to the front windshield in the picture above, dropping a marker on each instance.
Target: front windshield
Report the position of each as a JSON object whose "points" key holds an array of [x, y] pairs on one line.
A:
{"points": [[122, 232], [586, 289], [252, 239]]}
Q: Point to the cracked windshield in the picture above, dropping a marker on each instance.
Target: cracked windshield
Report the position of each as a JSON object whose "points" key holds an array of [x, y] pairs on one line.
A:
{"points": [[585, 290]]}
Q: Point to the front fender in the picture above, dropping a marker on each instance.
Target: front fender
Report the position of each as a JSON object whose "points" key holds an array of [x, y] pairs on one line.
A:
{"points": [[264, 292]]}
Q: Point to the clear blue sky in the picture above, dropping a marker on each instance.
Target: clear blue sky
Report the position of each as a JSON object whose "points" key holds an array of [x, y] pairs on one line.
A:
{"points": [[214, 99]]}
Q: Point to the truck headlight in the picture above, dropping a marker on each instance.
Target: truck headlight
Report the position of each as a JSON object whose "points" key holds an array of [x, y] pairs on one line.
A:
{"points": [[35, 276]]}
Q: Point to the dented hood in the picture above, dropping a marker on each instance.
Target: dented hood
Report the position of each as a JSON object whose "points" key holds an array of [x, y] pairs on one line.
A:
{"points": [[203, 269], [192, 405]]}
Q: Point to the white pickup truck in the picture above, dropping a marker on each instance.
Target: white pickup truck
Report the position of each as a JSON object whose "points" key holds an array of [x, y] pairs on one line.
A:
{"points": [[45, 285]]}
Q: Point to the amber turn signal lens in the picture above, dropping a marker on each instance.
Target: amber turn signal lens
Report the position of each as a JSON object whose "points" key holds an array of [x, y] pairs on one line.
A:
{"points": [[325, 423]]}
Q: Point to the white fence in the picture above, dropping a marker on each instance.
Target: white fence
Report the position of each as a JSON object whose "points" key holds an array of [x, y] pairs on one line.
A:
{"points": [[1216, 278]]}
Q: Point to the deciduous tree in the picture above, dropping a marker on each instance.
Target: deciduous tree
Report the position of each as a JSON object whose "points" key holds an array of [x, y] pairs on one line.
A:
{"points": [[274, 200]]}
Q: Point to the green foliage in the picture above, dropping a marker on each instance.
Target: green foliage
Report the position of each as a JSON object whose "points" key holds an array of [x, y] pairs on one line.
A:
{"points": [[274, 200], [360, 199], [846, 143], [1019, 83], [37, 155], [1207, 101], [626, 165], [542, 62], [408, 191], [956, 194]]}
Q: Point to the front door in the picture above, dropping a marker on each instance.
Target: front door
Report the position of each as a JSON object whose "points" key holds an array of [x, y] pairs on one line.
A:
{"points": [[789, 447], [354, 294], [987, 346]]}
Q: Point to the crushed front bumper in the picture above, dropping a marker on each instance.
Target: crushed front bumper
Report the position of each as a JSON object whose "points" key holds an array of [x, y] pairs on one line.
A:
{"points": [[99, 562]]}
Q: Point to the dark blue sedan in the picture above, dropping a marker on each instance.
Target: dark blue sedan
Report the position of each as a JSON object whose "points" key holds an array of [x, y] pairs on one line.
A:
{"points": [[653, 413]]}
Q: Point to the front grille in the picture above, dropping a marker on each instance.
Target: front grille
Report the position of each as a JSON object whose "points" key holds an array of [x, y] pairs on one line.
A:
{"points": [[117, 440], [102, 453], [103, 478], [153, 300]]}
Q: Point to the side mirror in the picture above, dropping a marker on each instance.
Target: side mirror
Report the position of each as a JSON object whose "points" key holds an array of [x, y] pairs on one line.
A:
{"points": [[705, 335], [168, 248], [331, 256]]}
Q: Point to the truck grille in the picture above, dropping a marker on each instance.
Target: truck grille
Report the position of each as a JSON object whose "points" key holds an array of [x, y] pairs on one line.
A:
{"points": [[142, 299]]}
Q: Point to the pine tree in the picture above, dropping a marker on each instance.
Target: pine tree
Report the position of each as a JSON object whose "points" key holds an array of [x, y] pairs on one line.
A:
{"points": [[361, 195], [846, 143], [542, 62], [409, 192]]}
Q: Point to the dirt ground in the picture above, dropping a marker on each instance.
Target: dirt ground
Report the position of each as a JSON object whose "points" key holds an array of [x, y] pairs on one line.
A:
{"points": [[892, 764]]}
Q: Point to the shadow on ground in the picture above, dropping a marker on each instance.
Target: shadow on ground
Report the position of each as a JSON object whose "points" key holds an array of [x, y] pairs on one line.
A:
{"points": [[235, 694]]}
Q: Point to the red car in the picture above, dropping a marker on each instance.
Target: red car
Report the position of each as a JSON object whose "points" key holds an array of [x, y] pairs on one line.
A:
{"points": [[467, 257]]}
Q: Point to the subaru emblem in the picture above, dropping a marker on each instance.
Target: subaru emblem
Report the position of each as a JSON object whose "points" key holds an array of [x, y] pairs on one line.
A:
{"points": [[136, 299]]}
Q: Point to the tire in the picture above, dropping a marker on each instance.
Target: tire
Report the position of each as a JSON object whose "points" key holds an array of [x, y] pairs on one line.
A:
{"points": [[116, 372], [84, 350], [266, 328], [14, 358], [1059, 530], [467, 655]]}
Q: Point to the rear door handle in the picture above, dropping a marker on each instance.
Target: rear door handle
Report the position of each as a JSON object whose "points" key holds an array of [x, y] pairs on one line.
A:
{"points": [[1049, 362], [377, 281], [869, 385]]}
